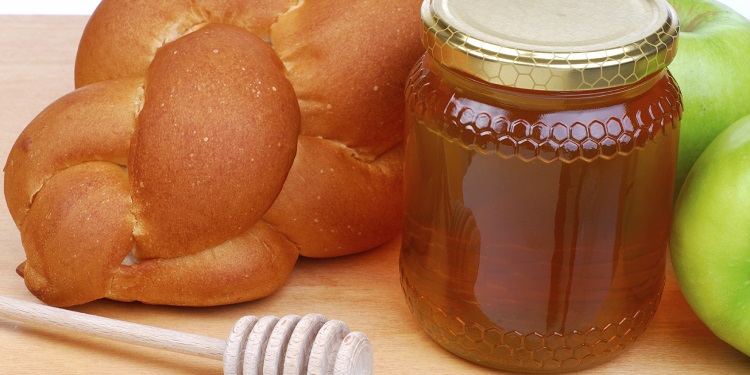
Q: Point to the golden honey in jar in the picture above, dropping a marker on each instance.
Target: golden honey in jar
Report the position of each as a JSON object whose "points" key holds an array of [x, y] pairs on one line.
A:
{"points": [[540, 158]]}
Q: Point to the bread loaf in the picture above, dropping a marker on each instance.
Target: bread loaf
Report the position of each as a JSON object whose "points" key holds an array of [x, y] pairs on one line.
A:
{"points": [[211, 143]]}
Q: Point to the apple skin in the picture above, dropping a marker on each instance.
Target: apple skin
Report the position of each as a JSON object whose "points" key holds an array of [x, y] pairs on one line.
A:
{"points": [[712, 68], [710, 238]]}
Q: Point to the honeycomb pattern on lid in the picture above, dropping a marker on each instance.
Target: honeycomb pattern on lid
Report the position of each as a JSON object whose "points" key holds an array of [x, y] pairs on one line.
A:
{"points": [[544, 46]]}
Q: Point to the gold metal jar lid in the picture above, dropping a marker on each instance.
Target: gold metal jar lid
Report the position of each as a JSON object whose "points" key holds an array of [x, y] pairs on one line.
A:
{"points": [[552, 45]]}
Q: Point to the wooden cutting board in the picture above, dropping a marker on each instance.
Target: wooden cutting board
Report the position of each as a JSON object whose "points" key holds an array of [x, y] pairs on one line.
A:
{"points": [[36, 67]]}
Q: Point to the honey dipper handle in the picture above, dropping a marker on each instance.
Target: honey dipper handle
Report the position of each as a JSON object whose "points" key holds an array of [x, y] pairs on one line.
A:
{"points": [[152, 337]]}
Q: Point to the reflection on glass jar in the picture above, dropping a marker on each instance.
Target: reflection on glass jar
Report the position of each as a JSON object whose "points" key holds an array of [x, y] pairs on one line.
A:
{"points": [[537, 217]]}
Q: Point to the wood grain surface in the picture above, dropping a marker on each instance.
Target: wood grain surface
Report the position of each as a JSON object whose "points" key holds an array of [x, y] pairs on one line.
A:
{"points": [[36, 67]]}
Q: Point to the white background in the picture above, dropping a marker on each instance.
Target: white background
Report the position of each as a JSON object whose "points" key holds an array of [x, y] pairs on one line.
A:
{"points": [[87, 6]]}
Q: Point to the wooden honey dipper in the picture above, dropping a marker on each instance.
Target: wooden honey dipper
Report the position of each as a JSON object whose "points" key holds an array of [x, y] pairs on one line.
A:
{"points": [[291, 345]]}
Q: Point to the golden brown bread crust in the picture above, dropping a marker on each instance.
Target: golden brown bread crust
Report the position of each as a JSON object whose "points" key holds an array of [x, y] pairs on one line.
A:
{"points": [[348, 68], [334, 204], [91, 123], [251, 266], [218, 140], [122, 37], [64, 266], [215, 139]]}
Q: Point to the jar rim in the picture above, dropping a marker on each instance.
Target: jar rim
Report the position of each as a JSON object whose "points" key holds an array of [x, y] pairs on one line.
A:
{"points": [[554, 45]]}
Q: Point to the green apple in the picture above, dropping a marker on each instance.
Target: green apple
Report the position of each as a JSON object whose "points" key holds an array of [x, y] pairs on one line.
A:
{"points": [[712, 68], [710, 239]]}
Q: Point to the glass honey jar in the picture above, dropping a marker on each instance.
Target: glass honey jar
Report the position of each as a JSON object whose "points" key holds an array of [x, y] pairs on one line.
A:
{"points": [[540, 157]]}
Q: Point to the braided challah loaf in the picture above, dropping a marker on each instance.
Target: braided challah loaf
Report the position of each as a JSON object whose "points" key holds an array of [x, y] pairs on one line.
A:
{"points": [[209, 143]]}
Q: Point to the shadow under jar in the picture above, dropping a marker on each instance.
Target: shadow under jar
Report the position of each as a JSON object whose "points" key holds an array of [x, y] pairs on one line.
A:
{"points": [[539, 172]]}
